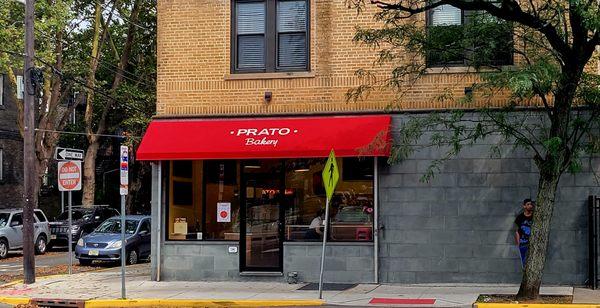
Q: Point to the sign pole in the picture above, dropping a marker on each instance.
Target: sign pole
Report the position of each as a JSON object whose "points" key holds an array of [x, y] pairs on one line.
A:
{"points": [[62, 201], [123, 190], [325, 227], [123, 244], [69, 234], [331, 175]]}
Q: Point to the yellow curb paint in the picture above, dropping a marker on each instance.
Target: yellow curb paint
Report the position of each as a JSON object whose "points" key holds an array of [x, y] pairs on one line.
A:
{"points": [[491, 305], [12, 283], [15, 300], [198, 303]]}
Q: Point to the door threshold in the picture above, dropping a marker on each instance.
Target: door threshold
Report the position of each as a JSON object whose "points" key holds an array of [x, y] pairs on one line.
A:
{"points": [[260, 274]]}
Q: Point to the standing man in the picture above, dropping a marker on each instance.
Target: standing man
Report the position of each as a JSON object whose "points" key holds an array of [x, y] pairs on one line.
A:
{"points": [[523, 222]]}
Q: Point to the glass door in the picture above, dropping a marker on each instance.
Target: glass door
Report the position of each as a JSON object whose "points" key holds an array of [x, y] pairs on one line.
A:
{"points": [[261, 240]]}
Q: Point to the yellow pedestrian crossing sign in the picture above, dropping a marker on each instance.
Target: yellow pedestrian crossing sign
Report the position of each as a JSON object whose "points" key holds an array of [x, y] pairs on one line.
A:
{"points": [[331, 175]]}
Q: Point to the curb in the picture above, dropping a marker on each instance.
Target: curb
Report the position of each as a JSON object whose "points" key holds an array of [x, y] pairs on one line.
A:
{"points": [[15, 300], [198, 303], [491, 305]]}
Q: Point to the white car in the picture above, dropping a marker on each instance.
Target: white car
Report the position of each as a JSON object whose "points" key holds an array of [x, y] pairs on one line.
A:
{"points": [[11, 231]]}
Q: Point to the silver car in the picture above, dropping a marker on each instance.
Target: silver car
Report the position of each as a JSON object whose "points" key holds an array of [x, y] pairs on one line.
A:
{"points": [[11, 231]]}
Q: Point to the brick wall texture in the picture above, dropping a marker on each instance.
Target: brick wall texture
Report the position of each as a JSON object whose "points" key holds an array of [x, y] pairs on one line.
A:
{"points": [[194, 67]]}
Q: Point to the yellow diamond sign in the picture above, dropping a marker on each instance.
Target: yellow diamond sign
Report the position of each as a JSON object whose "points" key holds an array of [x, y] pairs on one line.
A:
{"points": [[331, 175]]}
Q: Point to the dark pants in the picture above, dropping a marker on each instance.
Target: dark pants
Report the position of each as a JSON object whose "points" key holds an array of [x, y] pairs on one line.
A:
{"points": [[311, 234]]}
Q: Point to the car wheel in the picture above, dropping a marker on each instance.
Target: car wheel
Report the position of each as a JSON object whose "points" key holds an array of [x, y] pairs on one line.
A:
{"points": [[85, 262], [132, 257], [41, 245], [3, 249]]}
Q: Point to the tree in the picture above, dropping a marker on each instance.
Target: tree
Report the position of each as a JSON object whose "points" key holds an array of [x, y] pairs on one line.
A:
{"points": [[553, 43], [123, 33]]}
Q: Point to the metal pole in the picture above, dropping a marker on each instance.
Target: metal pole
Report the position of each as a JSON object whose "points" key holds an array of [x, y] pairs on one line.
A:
{"points": [[69, 234], [62, 201], [325, 227], [159, 221], [29, 164], [123, 244], [375, 221]]}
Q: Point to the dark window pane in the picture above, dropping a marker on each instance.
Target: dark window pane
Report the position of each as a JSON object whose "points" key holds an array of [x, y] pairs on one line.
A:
{"points": [[251, 52], [182, 193], [250, 18], [40, 216], [291, 16], [292, 50], [182, 168]]}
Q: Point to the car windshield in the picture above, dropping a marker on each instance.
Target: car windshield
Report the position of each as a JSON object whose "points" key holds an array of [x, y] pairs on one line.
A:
{"points": [[77, 214], [4, 219], [114, 226]]}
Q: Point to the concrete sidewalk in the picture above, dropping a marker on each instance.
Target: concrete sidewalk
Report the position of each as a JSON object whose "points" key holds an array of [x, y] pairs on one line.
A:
{"points": [[106, 285]]}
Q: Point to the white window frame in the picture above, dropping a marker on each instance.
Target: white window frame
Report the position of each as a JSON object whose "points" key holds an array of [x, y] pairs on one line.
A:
{"points": [[1, 164], [20, 87], [1, 90]]}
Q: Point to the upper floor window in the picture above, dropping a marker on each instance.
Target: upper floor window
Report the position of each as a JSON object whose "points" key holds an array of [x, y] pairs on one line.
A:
{"points": [[1, 90], [20, 87], [465, 38], [1, 165], [270, 36]]}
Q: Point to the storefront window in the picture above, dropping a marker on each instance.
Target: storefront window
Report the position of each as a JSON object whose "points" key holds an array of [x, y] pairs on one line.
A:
{"points": [[351, 211], [206, 197], [185, 207], [204, 200]]}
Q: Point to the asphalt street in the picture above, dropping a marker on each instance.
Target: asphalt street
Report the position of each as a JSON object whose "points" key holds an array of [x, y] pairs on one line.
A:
{"points": [[14, 263]]}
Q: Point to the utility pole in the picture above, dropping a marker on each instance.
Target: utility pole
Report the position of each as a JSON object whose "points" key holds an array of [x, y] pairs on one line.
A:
{"points": [[30, 176]]}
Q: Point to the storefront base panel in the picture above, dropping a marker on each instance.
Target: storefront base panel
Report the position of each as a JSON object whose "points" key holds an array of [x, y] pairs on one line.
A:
{"points": [[199, 261], [344, 262]]}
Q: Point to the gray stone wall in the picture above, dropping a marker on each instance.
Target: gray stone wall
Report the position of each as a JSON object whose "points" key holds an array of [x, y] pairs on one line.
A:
{"points": [[460, 226], [344, 262], [199, 261], [11, 143]]}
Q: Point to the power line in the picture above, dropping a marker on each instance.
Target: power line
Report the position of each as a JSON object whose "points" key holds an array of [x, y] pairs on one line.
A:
{"points": [[84, 134]]}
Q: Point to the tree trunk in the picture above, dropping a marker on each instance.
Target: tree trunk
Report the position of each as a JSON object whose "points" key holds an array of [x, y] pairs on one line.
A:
{"points": [[89, 173], [538, 242]]}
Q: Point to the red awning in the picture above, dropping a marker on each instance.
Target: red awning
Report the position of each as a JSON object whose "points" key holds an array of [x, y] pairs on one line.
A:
{"points": [[298, 137]]}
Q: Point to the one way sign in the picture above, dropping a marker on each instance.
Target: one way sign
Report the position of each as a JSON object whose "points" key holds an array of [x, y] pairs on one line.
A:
{"points": [[68, 154]]}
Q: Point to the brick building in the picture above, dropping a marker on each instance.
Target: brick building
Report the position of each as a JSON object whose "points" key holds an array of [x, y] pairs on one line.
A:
{"points": [[11, 148], [251, 96]]}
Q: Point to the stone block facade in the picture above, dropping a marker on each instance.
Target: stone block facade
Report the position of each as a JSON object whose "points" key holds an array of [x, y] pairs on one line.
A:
{"points": [[459, 227]]}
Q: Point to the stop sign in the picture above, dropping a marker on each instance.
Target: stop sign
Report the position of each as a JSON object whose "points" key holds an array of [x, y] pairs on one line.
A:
{"points": [[69, 175]]}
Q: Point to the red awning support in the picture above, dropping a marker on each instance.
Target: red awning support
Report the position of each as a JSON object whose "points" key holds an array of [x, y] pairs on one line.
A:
{"points": [[253, 138]]}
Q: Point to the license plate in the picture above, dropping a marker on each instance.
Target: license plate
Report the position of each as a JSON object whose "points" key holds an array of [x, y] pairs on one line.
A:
{"points": [[93, 252], [53, 236]]}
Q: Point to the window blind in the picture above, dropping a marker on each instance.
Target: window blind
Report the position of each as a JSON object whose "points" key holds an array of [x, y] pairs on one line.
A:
{"points": [[250, 21], [291, 29], [446, 15]]}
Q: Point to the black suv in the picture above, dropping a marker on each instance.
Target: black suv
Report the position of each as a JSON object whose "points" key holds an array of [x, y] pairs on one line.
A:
{"points": [[84, 221]]}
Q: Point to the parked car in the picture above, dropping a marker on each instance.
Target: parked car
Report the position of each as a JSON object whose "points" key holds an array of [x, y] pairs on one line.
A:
{"points": [[104, 243], [11, 231], [84, 221]]}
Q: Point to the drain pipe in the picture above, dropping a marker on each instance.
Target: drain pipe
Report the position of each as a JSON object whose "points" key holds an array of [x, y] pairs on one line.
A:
{"points": [[376, 220], [159, 219]]}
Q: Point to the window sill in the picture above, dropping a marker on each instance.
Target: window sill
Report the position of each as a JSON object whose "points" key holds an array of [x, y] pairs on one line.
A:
{"points": [[463, 69], [279, 75]]}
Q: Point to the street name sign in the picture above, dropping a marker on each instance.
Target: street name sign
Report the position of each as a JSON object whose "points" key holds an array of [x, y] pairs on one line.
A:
{"points": [[68, 154], [69, 175]]}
